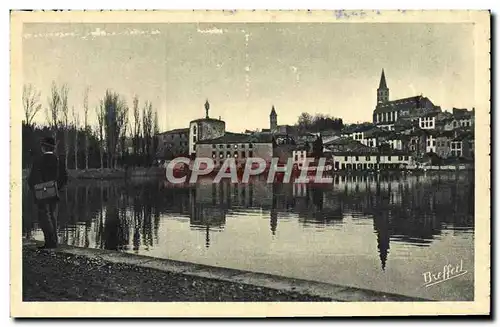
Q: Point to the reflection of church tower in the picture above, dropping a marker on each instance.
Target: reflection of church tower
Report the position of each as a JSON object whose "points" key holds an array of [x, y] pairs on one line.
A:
{"points": [[318, 198], [207, 237], [381, 225], [273, 120], [383, 238], [383, 90], [274, 212]]}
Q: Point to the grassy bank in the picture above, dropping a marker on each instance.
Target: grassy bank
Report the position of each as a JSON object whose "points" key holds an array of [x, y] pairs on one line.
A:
{"points": [[55, 276]]}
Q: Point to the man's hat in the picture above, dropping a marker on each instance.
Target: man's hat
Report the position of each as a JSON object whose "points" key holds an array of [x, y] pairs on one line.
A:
{"points": [[48, 141]]}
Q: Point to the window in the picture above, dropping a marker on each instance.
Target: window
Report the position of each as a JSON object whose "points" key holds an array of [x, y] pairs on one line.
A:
{"points": [[194, 129], [250, 154], [388, 158], [345, 159], [228, 146], [213, 154], [250, 146], [221, 155], [236, 154], [221, 146], [236, 146], [228, 154], [407, 158], [400, 158], [357, 158], [243, 154], [214, 146], [433, 142], [367, 158], [194, 138]]}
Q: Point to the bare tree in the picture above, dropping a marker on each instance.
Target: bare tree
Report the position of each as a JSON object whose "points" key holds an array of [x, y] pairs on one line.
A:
{"points": [[123, 139], [99, 110], [305, 121], [53, 110], [156, 131], [76, 125], [31, 103], [116, 111], [147, 130], [65, 121], [86, 125], [137, 126]]}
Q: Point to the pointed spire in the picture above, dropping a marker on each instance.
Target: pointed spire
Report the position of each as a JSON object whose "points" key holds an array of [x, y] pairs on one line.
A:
{"points": [[273, 111], [383, 84]]}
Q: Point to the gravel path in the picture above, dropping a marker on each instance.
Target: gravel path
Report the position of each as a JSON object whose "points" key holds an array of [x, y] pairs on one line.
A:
{"points": [[51, 276]]}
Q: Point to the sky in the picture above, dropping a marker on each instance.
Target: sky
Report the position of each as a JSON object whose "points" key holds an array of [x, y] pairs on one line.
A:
{"points": [[245, 69]]}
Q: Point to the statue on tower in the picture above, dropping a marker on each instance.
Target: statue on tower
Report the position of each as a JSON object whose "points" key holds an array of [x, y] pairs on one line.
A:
{"points": [[207, 107]]}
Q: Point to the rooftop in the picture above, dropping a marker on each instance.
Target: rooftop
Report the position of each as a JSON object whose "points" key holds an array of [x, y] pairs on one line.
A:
{"points": [[175, 131], [207, 119], [401, 104], [229, 138], [358, 128]]}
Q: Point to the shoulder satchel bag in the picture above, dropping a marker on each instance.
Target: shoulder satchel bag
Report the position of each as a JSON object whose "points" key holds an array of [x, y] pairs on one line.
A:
{"points": [[47, 190]]}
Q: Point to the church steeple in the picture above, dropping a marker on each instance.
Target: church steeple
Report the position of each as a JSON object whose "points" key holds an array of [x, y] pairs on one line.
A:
{"points": [[273, 120], [383, 90]]}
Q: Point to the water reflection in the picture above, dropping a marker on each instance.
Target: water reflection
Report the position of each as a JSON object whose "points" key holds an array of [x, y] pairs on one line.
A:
{"points": [[413, 210]]}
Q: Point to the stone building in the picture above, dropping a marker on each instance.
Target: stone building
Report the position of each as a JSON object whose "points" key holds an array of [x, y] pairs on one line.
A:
{"points": [[173, 143], [388, 112], [204, 129], [237, 146]]}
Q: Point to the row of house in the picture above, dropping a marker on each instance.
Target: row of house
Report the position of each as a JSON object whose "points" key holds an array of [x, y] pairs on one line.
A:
{"points": [[402, 132]]}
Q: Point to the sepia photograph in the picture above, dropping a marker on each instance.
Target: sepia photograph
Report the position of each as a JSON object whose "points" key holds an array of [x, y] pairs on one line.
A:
{"points": [[309, 161]]}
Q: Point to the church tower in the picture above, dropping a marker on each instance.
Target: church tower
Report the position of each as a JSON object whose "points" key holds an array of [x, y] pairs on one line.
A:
{"points": [[273, 120], [383, 90]]}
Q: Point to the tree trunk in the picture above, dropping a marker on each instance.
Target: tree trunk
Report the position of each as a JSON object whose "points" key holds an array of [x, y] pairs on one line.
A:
{"points": [[66, 148], [86, 151], [76, 150], [101, 156]]}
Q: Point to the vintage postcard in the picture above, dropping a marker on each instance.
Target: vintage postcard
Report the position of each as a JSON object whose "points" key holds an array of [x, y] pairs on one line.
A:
{"points": [[250, 163]]}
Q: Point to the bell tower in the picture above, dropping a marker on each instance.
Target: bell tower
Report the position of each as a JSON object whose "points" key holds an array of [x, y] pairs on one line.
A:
{"points": [[273, 120], [383, 90]]}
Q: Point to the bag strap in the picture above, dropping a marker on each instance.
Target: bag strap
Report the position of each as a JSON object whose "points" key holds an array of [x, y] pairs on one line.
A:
{"points": [[58, 171]]}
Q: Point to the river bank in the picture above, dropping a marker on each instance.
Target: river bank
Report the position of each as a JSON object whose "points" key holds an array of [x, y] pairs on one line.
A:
{"points": [[56, 276], [80, 274], [111, 173]]}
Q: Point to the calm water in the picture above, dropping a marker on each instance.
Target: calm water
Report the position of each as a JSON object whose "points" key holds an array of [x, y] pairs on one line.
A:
{"points": [[380, 233]]}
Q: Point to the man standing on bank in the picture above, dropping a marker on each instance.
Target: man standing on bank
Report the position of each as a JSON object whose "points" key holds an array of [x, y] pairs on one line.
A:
{"points": [[46, 179]]}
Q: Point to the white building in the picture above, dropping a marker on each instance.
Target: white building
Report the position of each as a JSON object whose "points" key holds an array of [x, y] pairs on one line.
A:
{"points": [[427, 121], [367, 161], [430, 145]]}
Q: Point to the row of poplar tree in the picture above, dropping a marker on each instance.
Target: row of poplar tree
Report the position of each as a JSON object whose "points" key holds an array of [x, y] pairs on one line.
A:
{"points": [[117, 135]]}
